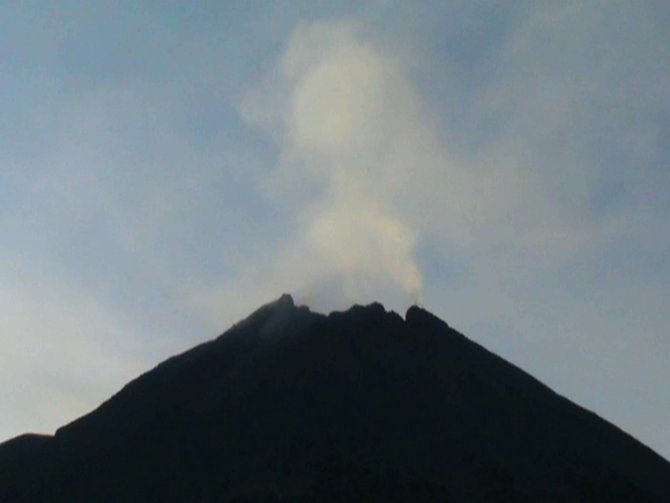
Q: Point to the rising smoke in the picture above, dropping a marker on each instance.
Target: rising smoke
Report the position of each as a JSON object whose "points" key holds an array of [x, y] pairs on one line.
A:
{"points": [[348, 126]]}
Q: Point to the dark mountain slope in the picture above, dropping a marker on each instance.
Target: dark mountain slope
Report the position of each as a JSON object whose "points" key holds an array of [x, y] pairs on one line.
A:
{"points": [[358, 405]]}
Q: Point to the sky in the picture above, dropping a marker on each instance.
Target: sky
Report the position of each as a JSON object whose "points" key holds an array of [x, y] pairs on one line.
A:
{"points": [[167, 167]]}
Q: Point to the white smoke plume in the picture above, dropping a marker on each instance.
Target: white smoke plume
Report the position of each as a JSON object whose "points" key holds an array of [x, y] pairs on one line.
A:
{"points": [[352, 142]]}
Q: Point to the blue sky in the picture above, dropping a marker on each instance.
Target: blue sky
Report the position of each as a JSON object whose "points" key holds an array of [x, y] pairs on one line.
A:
{"points": [[165, 169]]}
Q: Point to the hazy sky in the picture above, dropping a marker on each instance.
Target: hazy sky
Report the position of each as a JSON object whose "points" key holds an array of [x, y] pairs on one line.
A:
{"points": [[167, 167]]}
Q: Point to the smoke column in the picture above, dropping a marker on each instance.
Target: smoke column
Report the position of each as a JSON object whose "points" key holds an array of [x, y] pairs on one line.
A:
{"points": [[353, 142]]}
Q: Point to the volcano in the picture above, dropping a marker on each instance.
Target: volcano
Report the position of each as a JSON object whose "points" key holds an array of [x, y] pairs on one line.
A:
{"points": [[356, 405]]}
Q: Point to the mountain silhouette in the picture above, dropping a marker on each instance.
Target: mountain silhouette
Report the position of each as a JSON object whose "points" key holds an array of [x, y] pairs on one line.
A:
{"points": [[356, 405]]}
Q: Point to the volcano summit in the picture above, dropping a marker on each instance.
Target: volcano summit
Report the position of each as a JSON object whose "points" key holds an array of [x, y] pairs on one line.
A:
{"points": [[355, 405]]}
